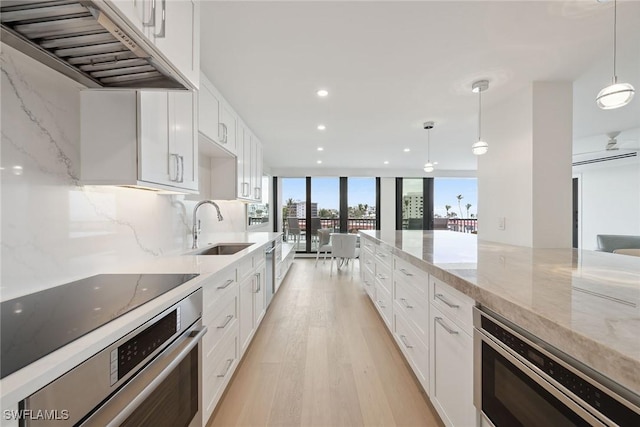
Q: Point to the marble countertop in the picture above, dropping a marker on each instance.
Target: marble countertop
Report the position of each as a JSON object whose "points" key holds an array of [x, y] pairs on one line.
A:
{"points": [[31, 378], [585, 303]]}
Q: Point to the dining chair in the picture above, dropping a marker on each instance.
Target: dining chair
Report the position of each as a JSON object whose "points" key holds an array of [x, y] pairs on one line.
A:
{"points": [[324, 243], [293, 228], [343, 248]]}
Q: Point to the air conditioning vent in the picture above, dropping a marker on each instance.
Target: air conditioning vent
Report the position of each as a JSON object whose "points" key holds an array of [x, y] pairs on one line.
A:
{"points": [[601, 158]]}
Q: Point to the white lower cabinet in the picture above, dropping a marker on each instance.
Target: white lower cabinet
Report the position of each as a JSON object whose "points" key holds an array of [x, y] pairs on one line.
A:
{"points": [[234, 304], [217, 373], [451, 385], [431, 323], [416, 352]]}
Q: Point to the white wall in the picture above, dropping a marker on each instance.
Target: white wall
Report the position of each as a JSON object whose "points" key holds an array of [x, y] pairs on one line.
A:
{"points": [[609, 200], [504, 173], [525, 177], [55, 230]]}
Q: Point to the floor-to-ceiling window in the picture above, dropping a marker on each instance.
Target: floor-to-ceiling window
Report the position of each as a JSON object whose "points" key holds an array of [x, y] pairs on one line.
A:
{"points": [[340, 204], [412, 204], [455, 204], [361, 200]]}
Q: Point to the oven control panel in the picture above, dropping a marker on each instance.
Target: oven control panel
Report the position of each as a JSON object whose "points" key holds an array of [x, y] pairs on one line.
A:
{"points": [[128, 355]]}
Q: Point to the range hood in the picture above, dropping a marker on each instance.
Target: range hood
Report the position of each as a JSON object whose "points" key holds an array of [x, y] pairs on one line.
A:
{"points": [[80, 40]]}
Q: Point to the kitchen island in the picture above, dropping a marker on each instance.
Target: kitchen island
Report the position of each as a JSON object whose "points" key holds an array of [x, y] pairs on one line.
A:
{"points": [[585, 303]]}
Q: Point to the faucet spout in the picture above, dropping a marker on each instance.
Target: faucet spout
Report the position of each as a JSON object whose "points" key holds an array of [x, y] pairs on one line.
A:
{"points": [[196, 223]]}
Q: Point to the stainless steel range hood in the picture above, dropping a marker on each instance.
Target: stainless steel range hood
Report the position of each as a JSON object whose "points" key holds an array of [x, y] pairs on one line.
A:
{"points": [[81, 40]]}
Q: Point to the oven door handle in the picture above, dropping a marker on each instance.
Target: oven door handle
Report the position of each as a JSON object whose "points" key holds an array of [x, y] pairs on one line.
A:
{"points": [[169, 360], [531, 373]]}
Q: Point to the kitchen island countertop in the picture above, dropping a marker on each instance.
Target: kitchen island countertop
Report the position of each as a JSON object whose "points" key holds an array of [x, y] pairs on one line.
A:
{"points": [[585, 303]]}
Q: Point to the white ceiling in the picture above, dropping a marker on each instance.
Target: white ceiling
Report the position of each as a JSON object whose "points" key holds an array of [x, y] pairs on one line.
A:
{"points": [[389, 66]]}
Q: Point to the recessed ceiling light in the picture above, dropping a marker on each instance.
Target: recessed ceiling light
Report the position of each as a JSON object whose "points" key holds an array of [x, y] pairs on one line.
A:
{"points": [[320, 149], [321, 127], [319, 162], [386, 162], [406, 150], [322, 92], [435, 163]]}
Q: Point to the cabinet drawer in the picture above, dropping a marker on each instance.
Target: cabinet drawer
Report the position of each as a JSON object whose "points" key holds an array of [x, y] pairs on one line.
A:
{"points": [[259, 259], [414, 308], [412, 275], [368, 262], [224, 317], [217, 372], [383, 277], [416, 352], [383, 303], [221, 284], [368, 245], [370, 284], [384, 255], [452, 303]]}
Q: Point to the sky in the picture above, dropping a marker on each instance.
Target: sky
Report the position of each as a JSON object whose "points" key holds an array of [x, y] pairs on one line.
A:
{"points": [[325, 191]]}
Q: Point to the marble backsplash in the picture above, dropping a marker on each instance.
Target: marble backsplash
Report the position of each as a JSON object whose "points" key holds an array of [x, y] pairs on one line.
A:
{"points": [[55, 230]]}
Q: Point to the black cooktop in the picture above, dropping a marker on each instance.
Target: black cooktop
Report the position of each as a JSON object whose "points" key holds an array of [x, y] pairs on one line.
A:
{"points": [[35, 325]]}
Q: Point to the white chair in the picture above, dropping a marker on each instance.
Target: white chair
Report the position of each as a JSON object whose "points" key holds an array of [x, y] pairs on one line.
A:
{"points": [[324, 243], [343, 246]]}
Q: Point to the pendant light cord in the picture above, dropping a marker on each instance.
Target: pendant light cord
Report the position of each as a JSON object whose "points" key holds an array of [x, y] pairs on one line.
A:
{"points": [[615, 19], [480, 115], [428, 145]]}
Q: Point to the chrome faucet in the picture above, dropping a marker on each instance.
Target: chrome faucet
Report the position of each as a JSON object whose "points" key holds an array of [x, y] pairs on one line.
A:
{"points": [[196, 222]]}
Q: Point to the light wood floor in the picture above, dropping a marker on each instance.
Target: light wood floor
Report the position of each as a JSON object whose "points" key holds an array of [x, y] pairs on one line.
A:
{"points": [[322, 357]]}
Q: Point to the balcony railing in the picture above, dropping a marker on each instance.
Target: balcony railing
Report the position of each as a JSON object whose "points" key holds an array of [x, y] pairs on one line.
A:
{"points": [[463, 225]]}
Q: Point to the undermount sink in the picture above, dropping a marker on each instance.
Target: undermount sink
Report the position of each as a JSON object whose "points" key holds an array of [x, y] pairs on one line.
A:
{"points": [[223, 249]]}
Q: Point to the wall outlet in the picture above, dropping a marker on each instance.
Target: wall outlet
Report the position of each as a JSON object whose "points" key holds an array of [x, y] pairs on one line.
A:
{"points": [[501, 223]]}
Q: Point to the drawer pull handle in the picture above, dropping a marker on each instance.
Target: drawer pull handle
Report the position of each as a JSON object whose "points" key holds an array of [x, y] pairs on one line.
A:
{"points": [[446, 301], [226, 284], [406, 304], [226, 371], [446, 328], [405, 272], [404, 341], [380, 304], [224, 325]]}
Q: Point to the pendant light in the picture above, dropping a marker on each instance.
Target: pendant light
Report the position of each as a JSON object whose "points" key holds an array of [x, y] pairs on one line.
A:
{"points": [[428, 167], [480, 147], [615, 95]]}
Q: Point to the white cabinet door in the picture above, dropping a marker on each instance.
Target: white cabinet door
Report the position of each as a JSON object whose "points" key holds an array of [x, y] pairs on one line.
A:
{"points": [[182, 137], [228, 123], [451, 371], [158, 164], [176, 34], [256, 169], [243, 140], [246, 312], [260, 296], [137, 12], [208, 111]]}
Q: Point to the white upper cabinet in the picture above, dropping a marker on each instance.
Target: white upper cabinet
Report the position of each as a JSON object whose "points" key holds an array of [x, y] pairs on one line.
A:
{"points": [[172, 26], [144, 138], [220, 127], [217, 120]]}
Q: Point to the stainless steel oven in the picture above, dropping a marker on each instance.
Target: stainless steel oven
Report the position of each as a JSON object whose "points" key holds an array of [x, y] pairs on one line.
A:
{"points": [[520, 380], [150, 377]]}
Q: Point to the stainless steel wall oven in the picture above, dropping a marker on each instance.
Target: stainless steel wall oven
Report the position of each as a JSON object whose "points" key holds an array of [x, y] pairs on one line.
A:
{"points": [[150, 377], [520, 380]]}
